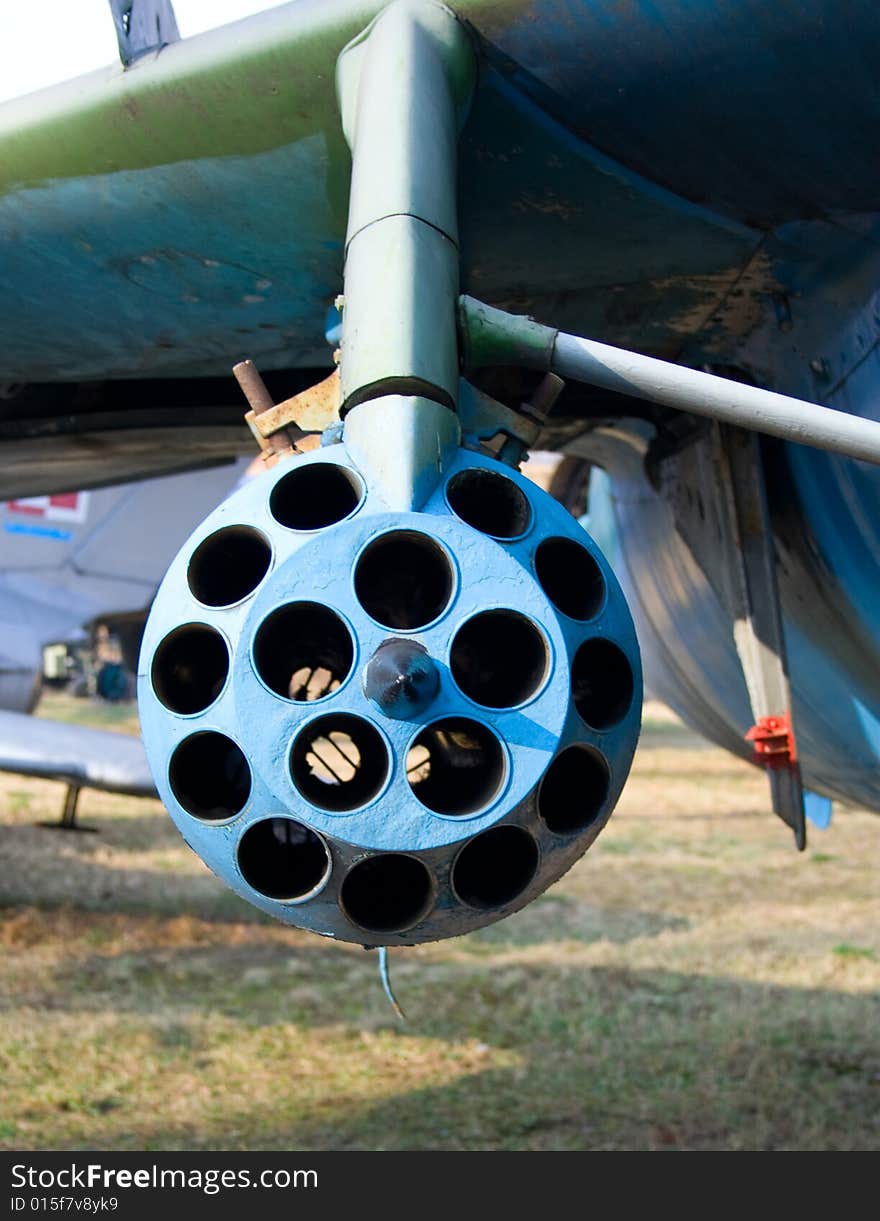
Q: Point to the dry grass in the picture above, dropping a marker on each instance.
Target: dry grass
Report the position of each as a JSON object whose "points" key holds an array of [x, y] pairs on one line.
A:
{"points": [[692, 983]]}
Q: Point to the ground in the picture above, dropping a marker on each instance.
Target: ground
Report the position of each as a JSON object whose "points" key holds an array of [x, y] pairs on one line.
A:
{"points": [[693, 983]]}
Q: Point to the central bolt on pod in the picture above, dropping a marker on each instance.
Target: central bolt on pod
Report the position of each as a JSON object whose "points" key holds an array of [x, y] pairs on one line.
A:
{"points": [[389, 725]]}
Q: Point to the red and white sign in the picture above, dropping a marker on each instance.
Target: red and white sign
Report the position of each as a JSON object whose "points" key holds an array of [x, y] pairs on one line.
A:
{"points": [[63, 506]]}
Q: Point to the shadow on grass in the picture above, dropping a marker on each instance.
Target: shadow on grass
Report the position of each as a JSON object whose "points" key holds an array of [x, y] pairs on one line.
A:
{"points": [[605, 1058], [255, 970], [130, 832], [556, 917], [159, 875]]}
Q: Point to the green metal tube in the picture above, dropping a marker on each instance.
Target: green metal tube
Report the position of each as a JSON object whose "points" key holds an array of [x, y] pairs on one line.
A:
{"points": [[403, 87]]}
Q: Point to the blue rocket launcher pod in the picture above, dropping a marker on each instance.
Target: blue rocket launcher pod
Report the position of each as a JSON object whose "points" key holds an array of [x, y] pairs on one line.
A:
{"points": [[389, 725]]}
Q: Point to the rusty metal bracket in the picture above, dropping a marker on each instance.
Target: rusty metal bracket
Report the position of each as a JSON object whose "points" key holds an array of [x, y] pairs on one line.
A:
{"points": [[758, 629], [293, 425]]}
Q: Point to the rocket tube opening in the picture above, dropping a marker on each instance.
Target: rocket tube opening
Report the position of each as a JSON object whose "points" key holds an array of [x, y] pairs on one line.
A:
{"points": [[190, 668], [602, 683], [499, 658], [455, 766], [228, 566], [574, 790], [403, 580], [283, 859], [570, 578], [303, 651], [339, 762], [387, 893], [210, 777], [491, 503], [495, 867], [315, 496]]}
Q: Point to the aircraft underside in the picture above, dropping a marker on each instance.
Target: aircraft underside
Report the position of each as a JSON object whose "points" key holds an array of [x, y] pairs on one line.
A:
{"points": [[390, 690]]}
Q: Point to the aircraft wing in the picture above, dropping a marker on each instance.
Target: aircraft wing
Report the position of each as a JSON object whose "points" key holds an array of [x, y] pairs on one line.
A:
{"points": [[192, 208], [82, 757], [159, 223]]}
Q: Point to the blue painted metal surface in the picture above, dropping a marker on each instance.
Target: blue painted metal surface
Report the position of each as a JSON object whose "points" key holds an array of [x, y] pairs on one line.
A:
{"points": [[697, 181], [532, 729], [686, 633], [762, 111], [151, 272], [81, 756], [818, 810]]}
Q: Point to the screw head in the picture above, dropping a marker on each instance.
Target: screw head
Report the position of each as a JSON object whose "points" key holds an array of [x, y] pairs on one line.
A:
{"points": [[401, 679]]}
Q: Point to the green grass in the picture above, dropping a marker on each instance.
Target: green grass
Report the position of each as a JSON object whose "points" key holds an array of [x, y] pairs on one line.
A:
{"points": [[60, 706], [854, 951], [693, 983]]}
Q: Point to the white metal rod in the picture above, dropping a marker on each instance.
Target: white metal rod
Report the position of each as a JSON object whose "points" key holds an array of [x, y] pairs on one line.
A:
{"points": [[686, 389]]}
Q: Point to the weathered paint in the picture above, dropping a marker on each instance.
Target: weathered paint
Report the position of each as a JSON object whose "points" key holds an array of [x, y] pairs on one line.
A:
{"points": [[221, 159], [206, 258], [717, 123]]}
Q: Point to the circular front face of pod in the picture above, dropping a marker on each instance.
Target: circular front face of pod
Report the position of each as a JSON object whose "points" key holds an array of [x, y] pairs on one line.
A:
{"points": [[389, 727]]}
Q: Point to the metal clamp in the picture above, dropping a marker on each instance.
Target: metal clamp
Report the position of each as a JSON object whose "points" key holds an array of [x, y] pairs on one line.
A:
{"points": [[291, 425]]}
